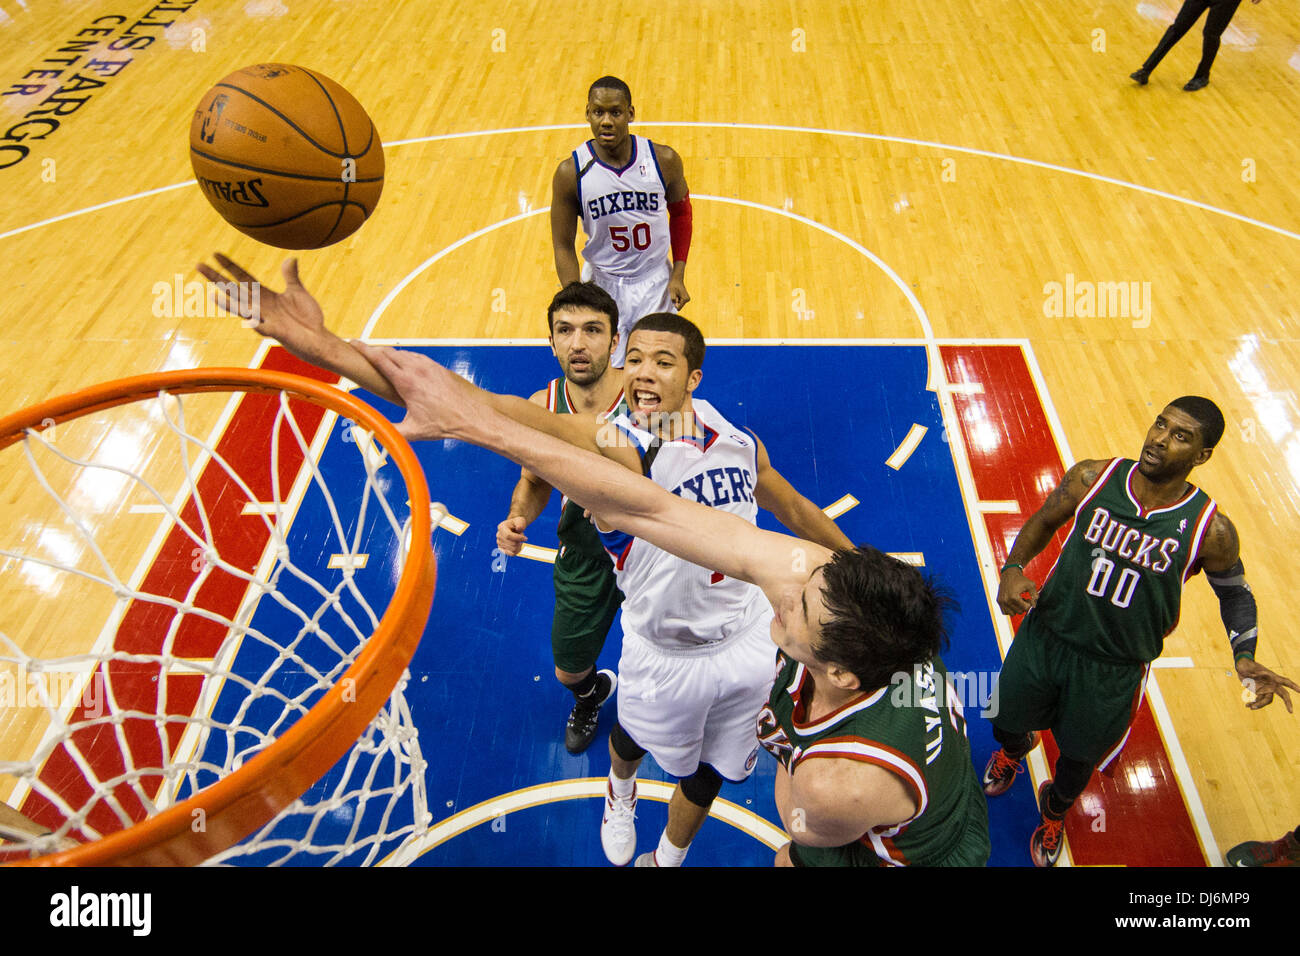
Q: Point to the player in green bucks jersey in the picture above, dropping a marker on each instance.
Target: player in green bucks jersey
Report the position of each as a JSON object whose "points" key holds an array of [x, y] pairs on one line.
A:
{"points": [[583, 318], [825, 729], [1079, 662]]}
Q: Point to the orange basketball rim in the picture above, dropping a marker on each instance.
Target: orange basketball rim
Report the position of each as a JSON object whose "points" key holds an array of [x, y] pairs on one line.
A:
{"points": [[237, 804]]}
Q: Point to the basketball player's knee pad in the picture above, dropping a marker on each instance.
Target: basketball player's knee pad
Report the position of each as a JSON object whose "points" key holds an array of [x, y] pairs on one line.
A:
{"points": [[701, 787], [626, 748]]}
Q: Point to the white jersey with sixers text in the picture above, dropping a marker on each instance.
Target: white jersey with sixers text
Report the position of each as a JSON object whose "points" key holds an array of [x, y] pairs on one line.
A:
{"points": [[624, 211], [669, 602]]}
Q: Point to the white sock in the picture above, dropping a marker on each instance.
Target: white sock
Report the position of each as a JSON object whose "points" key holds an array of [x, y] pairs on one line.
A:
{"points": [[620, 787], [666, 854]]}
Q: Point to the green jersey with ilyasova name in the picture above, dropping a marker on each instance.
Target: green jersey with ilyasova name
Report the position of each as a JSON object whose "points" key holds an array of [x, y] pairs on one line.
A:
{"points": [[914, 728], [1117, 585]]}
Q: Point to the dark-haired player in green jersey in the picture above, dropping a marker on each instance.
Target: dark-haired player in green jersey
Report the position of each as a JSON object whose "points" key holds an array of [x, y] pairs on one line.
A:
{"points": [[875, 767], [583, 321], [1079, 662]]}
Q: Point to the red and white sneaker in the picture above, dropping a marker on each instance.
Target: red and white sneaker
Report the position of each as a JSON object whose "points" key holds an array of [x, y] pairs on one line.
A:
{"points": [[618, 827]]}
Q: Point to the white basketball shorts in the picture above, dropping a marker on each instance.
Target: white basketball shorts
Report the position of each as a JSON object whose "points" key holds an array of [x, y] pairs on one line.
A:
{"points": [[698, 706], [636, 297]]}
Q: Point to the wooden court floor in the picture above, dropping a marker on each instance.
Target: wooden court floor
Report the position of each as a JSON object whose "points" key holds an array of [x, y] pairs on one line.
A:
{"points": [[978, 170]]}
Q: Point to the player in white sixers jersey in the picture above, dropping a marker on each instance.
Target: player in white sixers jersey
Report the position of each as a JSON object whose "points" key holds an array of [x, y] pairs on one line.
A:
{"points": [[581, 317], [852, 626], [1079, 662], [697, 657], [634, 204], [681, 607], [696, 661]]}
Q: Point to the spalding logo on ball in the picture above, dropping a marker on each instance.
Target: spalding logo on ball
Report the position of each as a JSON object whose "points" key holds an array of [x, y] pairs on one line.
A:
{"points": [[287, 156]]}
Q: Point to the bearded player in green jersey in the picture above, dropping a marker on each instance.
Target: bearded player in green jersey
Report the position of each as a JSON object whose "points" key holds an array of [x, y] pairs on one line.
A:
{"points": [[835, 613], [1079, 662], [583, 320]]}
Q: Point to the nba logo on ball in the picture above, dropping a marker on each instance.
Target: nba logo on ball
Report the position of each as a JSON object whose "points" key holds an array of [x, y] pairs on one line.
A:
{"points": [[286, 156]]}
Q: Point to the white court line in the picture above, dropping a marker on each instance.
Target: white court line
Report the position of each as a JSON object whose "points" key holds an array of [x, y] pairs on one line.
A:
{"points": [[933, 375], [1045, 402], [842, 506], [443, 519], [1173, 662], [987, 154], [998, 507], [427, 263], [585, 788], [1183, 773], [906, 447], [758, 127], [453, 524], [534, 552], [96, 208]]}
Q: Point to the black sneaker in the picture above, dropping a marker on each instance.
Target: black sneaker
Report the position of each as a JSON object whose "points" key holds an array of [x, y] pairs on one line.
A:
{"points": [[580, 730], [1000, 772], [1046, 842], [1283, 852]]}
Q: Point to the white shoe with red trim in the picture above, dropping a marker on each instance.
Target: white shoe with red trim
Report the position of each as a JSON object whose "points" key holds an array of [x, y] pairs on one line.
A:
{"points": [[618, 827]]}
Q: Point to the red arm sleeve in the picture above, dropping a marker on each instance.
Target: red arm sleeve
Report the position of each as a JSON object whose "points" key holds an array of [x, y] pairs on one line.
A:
{"points": [[679, 227]]}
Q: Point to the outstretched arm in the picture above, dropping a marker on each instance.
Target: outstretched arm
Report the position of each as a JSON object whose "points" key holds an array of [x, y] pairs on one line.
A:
{"points": [[1017, 592], [437, 407], [294, 319], [1221, 560]]}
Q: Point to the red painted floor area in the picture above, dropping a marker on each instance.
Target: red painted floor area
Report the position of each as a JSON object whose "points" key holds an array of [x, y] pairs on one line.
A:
{"points": [[240, 540]]}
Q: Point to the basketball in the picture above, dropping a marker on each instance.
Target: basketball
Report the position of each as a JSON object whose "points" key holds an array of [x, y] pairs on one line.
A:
{"points": [[286, 156]]}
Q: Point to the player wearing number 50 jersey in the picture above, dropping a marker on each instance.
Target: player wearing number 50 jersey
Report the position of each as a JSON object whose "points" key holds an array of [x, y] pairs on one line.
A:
{"points": [[632, 198], [1079, 662]]}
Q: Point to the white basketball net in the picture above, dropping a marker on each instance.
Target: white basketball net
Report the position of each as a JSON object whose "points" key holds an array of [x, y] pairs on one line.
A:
{"points": [[89, 751]]}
